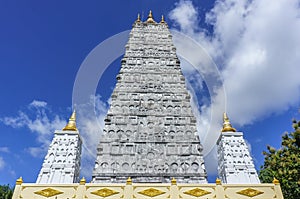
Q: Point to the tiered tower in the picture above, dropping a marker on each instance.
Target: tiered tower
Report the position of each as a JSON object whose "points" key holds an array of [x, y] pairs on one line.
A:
{"points": [[62, 162], [235, 164], [150, 131]]}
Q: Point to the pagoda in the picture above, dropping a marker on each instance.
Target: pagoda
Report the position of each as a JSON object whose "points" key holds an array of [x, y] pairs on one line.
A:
{"points": [[150, 130], [62, 162], [235, 165]]}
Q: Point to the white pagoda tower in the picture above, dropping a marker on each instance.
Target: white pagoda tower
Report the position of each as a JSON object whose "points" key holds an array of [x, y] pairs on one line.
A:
{"points": [[235, 165], [62, 162], [150, 131]]}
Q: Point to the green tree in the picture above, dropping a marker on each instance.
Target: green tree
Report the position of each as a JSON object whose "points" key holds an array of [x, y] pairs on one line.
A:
{"points": [[284, 164], [6, 192]]}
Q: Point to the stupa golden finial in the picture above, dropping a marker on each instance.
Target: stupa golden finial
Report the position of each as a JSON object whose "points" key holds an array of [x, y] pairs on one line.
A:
{"points": [[71, 126], [138, 18], [227, 125], [150, 18], [162, 19]]}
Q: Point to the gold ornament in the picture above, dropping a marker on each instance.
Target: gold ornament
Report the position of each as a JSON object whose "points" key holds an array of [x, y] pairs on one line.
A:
{"points": [[19, 181], [197, 192], [173, 181], [150, 18], [71, 126], [104, 192], [49, 192], [151, 192], [82, 181], [227, 125], [250, 192], [129, 181], [275, 181]]}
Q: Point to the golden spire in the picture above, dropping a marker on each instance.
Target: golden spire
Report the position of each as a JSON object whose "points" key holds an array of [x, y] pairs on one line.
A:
{"points": [[226, 125], [71, 126], [138, 18], [150, 18], [162, 19]]}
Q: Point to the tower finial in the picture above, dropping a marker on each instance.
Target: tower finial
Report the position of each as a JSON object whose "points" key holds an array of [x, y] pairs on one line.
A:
{"points": [[138, 18], [150, 18], [162, 19], [71, 126], [227, 125]]}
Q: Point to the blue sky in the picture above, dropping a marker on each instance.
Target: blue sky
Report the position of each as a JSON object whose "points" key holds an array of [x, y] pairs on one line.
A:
{"points": [[43, 44]]}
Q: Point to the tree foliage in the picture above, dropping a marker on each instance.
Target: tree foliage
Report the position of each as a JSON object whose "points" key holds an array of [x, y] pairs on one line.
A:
{"points": [[6, 192], [284, 164]]}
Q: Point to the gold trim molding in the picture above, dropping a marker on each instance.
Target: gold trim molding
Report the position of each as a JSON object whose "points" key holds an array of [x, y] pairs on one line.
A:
{"points": [[151, 192], [104, 192], [49, 192], [250, 192], [197, 192]]}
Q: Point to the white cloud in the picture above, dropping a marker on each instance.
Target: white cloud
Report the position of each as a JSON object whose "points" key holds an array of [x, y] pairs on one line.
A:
{"points": [[256, 45], [37, 103], [260, 66], [185, 15], [90, 123], [37, 120], [4, 149], [38, 152], [2, 163]]}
